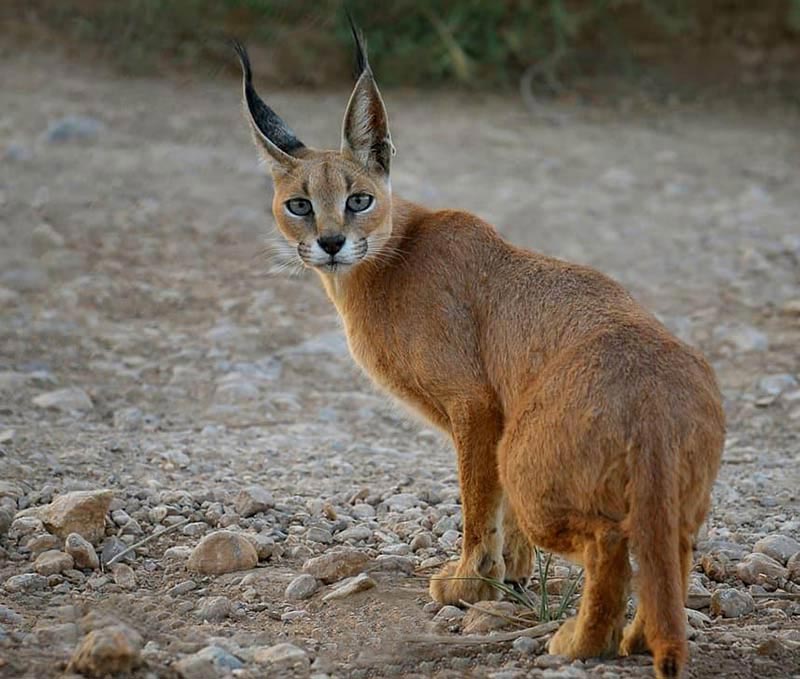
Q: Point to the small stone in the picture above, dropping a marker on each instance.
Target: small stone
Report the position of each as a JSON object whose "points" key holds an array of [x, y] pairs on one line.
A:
{"points": [[128, 419], [449, 614], [449, 538], [779, 547], [42, 543], [53, 561], [527, 646], [363, 511], [111, 650], [698, 595], [336, 565], [6, 519], [10, 616], [731, 603], [177, 553], [771, 647], [26, 525], [64, 634], [252, 500], [760, 569], [354, 534], [421, 541], [396, 549], [793, 568], [26, 582], [222, 552], [742, 338], [774, 385], [124, 576], [8, 297], [716, 566], [401, 502], [432, 607], [208, 663], [44, 237], [66, 400], [83, 512], [264, 545], [215, 608], [81, 551], [301, 588], [359, 583], [73, 128], [112, 548], [697, 619], [183, 587], [390, 562], [195, 528], [283, 659], [551, 662], [485, 616], [321, 535]]}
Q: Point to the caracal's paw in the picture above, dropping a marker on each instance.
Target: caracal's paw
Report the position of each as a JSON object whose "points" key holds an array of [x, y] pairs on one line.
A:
{"points": [[633, 639], [454, 584], [569, 643], [518, 557]]}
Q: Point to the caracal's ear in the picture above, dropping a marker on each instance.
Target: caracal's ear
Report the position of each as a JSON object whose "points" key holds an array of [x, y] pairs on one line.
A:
{"points": [[273, 137], [365, 131]]}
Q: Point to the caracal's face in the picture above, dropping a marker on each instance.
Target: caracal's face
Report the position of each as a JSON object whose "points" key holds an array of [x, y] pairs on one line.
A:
{"points": [[334, 208], [332, 211]]}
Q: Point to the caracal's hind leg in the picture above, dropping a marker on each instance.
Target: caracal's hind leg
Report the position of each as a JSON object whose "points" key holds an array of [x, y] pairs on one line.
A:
{"points": [[517, 550], [477, 427], [597, 629], [550, 467], [633, 638]]}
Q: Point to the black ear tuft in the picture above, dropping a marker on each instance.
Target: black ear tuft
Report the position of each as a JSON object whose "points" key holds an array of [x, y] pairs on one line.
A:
{"points": [[269, 123], [362, 64]]}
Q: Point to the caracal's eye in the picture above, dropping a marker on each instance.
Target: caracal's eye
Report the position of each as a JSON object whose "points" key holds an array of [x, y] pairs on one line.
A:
{"points": [[299, 207], [359, 202]]}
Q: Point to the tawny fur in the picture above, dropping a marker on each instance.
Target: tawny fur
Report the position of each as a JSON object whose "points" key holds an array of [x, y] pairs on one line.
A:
{"points": [[580, 423]]}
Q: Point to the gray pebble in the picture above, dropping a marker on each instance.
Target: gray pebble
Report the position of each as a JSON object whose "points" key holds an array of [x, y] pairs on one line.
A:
{"points": [[73, 128], [302, 587]]}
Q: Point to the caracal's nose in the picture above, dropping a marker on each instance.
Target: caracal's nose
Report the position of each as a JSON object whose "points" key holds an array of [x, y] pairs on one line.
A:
{"points": [[331, 244]]}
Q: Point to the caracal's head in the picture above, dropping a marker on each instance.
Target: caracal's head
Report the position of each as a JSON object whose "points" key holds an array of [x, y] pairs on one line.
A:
{"points": [[332, 207]]}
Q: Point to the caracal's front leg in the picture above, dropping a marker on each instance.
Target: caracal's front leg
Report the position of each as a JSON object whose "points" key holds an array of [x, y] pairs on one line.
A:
{"points": [[476, 432]]}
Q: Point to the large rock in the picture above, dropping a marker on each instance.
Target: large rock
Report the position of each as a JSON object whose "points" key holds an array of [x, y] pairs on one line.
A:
{"points": [[82, 552], [82, 512], [336, 565], [110, 651], [66, 400], [779, 547], [760, 569], [222, 552]]}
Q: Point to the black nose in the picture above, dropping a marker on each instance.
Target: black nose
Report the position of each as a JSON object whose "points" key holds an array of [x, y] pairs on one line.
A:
{"points": [[331, 244]]}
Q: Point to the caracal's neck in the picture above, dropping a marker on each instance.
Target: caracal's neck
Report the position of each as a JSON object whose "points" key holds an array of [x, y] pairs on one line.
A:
{"points": [[345, 289]]}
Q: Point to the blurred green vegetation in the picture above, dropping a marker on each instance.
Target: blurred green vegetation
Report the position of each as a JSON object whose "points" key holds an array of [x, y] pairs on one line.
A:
{"points": [[476, 42]]}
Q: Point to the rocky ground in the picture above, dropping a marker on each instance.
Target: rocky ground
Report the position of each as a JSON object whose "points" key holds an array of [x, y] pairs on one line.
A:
{"points": [[159, 380]]}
